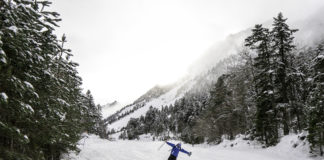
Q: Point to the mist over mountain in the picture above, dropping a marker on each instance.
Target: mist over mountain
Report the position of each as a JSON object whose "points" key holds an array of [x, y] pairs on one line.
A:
{"points": [[226, 70], [205, 68], [310, 32], [110, 108], [310, 29]]}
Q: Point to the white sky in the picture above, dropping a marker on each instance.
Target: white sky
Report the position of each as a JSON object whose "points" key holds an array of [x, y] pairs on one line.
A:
{"points": [[125, 47]]}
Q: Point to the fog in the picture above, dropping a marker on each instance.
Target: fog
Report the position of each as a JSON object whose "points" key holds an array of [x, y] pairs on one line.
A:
{"points": [[125, 47]]}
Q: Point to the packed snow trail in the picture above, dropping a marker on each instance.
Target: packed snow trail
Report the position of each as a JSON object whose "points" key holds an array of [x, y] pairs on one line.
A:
{"points": [[94, 148]]}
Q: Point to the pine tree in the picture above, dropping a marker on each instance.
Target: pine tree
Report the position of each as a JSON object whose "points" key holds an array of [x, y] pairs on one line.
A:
{"points": [[316, 106], [266, 124], [282, 39], [216, 120], [246, 76], [40, 94], [92, 117], [297, 93]]}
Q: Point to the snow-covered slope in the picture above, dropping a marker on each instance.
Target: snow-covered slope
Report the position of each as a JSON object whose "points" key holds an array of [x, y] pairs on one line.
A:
{"points": [[166, 95], [94, 148], [157, 101]]}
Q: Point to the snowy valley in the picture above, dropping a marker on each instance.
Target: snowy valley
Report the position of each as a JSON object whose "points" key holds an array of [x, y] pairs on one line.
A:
{"points": [[204, 76], [257, 94]]}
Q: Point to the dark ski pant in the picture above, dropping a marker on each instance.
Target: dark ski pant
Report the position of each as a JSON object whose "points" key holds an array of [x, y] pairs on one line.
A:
{"points": [[172, 157]]}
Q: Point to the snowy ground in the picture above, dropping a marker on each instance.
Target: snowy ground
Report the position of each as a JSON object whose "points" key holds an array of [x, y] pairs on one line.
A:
{"points": [[94, 148]]}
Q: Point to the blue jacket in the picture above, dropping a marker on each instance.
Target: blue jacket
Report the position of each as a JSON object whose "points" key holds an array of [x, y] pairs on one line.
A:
{"points": [[176, 149]]}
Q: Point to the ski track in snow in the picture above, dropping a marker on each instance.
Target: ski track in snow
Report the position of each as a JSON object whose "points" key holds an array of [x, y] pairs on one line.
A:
{"points": [[94, 148]]}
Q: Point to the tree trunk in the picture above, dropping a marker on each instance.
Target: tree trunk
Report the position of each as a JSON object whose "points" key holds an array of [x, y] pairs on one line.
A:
{"points": [[298, 120], [11, 144], [321, 143], [285, 122]]}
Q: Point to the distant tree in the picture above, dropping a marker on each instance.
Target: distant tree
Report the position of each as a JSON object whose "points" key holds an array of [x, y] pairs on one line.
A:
{"points": [[93, 116], [133, 128]]}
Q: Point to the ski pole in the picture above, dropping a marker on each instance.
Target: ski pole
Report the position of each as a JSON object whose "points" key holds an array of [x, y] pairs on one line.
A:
{"points": [[161, 146]]}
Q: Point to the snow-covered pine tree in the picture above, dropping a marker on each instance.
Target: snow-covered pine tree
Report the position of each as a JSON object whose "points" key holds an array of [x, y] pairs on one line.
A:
{"points": [[92, 115], [266, 124], [241, 85], [316, 106], [282, 39], [40, 113], [215, 120], [245, 77], [297, 90]]}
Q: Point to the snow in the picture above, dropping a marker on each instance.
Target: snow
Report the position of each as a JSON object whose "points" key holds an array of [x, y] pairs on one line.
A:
{"points": [[28, 1], [27, 106], [37, 96], [2, 54], [13, 28], [29, 85], [165, 99], [62, 116], [320, 57], [94, 148], [4, 96], [3, 60], [309, 79], [40, 58], [47, 72], [63, 102], [270, 71]]}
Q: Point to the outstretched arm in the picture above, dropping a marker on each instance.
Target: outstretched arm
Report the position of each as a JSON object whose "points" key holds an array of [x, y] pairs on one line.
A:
{"points": [[170, 144], [184, 151]]}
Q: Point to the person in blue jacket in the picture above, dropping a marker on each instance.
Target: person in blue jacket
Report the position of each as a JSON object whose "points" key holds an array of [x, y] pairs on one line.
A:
{"points": [[175, 150]]}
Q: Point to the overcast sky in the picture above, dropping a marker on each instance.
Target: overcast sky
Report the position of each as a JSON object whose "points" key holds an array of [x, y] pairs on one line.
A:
{"points": [[125, 47]]}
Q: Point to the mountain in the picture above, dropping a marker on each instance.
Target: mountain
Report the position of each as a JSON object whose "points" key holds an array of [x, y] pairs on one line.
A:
{"points": [[110, 108], [206, 70], [160, 96], [231, 45], [155, 97]]}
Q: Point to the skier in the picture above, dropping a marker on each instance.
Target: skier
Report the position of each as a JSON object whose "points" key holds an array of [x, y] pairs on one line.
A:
{"points": [[175, 150]]}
